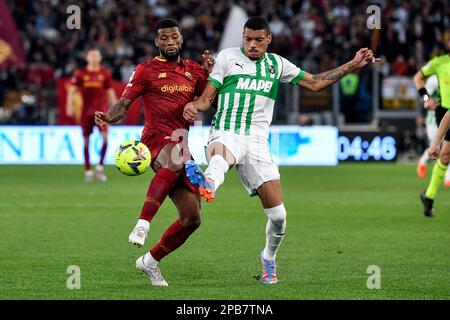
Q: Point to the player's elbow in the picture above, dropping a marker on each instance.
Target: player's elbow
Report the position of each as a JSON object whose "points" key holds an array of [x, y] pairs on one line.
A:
{"points": [[311, 84], [315, 86], [418, 79]]}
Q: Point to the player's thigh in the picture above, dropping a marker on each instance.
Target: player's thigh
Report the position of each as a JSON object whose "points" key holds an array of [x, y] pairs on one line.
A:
{"points": [[188, 205], [169, 157], [218, 148], [227, 144]]}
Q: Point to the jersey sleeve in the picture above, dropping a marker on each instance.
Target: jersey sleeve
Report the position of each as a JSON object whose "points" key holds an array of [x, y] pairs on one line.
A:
{"points": [[136, 84], [430, 68], [218, 72], [290, 72], [77, 78]]}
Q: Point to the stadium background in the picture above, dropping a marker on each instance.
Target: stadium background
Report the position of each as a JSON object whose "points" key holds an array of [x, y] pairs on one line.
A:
{"points": [[316, 35]]}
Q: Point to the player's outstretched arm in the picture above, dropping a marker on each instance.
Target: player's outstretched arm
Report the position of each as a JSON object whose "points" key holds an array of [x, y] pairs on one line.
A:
{"points": [[203, 103], [322, 80], [115, 113], [444, 126]]}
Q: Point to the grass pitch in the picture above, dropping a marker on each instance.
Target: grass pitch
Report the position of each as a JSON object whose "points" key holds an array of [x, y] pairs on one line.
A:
{"points": [[341, 220]]}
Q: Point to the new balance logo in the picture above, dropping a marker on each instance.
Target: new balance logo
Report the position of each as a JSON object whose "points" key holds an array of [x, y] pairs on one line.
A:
{"points": [[254, 84]]}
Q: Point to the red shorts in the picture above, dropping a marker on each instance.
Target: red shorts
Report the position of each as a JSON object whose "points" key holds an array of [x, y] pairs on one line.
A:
{"points": [[88, 124], [155, 142]]}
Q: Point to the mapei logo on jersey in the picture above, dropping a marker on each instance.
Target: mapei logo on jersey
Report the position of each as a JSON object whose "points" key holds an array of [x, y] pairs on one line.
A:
{"points": [[171, 88], [254, 84]]}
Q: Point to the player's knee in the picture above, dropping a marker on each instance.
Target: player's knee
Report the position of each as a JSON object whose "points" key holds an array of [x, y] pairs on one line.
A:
{"points": [[176, 168], [277, 215], [444, 158], [191, 223]]}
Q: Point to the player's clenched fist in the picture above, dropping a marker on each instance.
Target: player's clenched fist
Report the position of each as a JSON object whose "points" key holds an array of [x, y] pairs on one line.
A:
{"points": [[101, 118], [190, 112], [363, 57], [207, 61]]}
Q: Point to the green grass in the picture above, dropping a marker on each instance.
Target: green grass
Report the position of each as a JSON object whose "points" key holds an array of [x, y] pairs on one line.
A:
{"points": [[340, 220]]}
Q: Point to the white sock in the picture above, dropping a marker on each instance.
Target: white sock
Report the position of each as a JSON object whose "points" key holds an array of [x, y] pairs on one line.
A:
{"points": [[216, 170], [149, 261], [143, 223], [275, 228]]}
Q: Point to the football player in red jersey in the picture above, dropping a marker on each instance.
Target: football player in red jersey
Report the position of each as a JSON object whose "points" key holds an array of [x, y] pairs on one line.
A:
{"points": [[166, 83], [94, 81]]}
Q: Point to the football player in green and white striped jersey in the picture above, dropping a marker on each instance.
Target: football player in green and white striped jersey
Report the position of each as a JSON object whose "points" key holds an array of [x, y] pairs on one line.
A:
{"points": [[246, 81]]}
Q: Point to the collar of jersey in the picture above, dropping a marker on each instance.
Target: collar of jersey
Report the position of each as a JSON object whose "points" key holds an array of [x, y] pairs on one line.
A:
{"points": [[165, 60], [255, 61]]}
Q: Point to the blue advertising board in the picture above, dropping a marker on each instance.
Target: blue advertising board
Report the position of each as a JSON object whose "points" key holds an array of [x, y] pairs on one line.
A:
{"points": [[289, 145]]}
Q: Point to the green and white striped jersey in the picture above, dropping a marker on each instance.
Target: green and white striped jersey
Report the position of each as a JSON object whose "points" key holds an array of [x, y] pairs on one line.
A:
{"points": [[248, 89]]}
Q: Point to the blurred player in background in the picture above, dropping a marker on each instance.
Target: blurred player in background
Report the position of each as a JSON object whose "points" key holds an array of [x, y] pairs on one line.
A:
{"points": [[432, 86], [247, 80], [95, 84], [440, 66], [166, 84]]}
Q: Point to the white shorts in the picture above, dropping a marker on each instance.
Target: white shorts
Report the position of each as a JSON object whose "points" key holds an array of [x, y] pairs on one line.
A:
{"points": [[254, 162]]}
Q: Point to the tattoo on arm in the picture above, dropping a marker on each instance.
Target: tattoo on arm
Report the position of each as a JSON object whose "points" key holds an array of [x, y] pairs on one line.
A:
{"points": [[335, 74], [118, 110]]}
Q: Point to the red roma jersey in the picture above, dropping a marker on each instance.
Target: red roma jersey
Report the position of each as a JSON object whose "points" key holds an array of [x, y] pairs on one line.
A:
{"points": [[93, 86], [166, 88]]}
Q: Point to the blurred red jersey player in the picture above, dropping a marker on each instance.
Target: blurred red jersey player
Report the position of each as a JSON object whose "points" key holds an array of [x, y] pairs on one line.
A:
{"points": [[165, 83], [95, 84]]}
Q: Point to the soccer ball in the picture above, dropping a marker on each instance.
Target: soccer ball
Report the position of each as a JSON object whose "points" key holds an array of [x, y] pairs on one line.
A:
{"points": [[133, 158]]}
